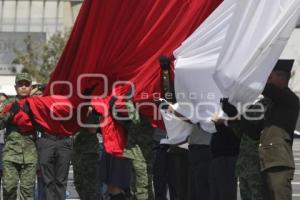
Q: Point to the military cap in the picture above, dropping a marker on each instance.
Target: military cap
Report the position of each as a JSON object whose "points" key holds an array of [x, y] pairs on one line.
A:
{"points": [[284, 65], [23, 77]]}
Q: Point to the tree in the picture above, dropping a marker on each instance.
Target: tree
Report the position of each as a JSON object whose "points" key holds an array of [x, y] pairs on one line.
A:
{"points": [[40, 59]]}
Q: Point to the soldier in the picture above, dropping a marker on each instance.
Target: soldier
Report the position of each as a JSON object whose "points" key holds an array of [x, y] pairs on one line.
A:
{"points": [[275, 148], [248, 169], [138, 150], [85, 159], [19, 153], [275, 131]]}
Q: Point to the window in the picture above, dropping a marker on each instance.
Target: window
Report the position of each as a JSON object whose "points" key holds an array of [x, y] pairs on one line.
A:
{"points": [[8, 20], [36, 20], [22, 16]]}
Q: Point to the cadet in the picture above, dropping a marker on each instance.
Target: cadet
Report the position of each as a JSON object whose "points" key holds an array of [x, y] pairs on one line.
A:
{"points": [[19, 153], [85, 159]]}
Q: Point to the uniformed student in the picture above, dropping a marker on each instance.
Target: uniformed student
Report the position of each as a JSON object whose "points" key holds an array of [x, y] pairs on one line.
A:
{"points": [[19, 153]]}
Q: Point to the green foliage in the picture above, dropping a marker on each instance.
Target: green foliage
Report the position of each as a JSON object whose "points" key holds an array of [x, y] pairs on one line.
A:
{"points": [[40, 59]]}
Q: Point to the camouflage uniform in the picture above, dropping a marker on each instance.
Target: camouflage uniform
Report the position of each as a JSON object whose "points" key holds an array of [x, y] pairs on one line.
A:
{"points": [[85, 159], [248, 164], [138, 150], [248, 169], [19, 163], [19, 155]]}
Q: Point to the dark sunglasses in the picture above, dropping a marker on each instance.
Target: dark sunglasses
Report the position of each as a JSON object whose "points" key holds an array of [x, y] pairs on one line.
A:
{"points": [[23, 83]]}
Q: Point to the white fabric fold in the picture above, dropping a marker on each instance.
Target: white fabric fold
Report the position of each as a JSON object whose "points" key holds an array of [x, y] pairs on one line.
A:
{"points": [[196, 92], [231, 55], [254, 42], [177, 129]]}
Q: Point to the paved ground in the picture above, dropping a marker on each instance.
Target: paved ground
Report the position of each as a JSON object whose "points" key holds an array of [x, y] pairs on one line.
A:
{"points": [[296, 182], [71, 191]]}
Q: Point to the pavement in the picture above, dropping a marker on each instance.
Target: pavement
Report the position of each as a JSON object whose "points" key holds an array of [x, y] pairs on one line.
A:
{"points": [[296, 181], [71, 191]]}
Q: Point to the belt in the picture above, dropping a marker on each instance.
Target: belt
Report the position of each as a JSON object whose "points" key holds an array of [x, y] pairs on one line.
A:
{"points": [[53, 137]]}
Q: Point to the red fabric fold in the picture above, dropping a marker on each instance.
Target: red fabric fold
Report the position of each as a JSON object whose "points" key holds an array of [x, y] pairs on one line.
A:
{"points": [[57, 115]]}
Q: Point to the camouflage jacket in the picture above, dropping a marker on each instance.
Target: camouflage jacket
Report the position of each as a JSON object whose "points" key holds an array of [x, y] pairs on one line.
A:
{"points": [[18, 147]]}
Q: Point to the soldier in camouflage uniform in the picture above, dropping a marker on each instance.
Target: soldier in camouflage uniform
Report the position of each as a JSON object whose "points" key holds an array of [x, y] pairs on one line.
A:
{"points": [[248, 169], [85, 159], [138, 150], [19, 153]]}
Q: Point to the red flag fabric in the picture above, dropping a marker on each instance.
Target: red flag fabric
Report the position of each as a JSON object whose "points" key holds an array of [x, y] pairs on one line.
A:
{"points": [[21, 119], [123, 40], [56, 115]]}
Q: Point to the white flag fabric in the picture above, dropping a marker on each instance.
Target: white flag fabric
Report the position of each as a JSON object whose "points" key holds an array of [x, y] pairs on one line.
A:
{"points": [[196, 92], [231, 55], [177, 129], [255, 39]]}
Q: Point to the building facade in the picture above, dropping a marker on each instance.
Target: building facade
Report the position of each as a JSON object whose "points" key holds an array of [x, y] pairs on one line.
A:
{"points": [[38, 18], [46, 16]]}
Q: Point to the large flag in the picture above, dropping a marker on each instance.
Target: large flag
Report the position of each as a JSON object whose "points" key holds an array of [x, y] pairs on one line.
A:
{"points": [[121, 41]]}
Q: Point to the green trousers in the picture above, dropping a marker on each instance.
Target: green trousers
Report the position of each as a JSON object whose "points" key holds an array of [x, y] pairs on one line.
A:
{"points": [[141, 187], [251, 187], [12, 174]]}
